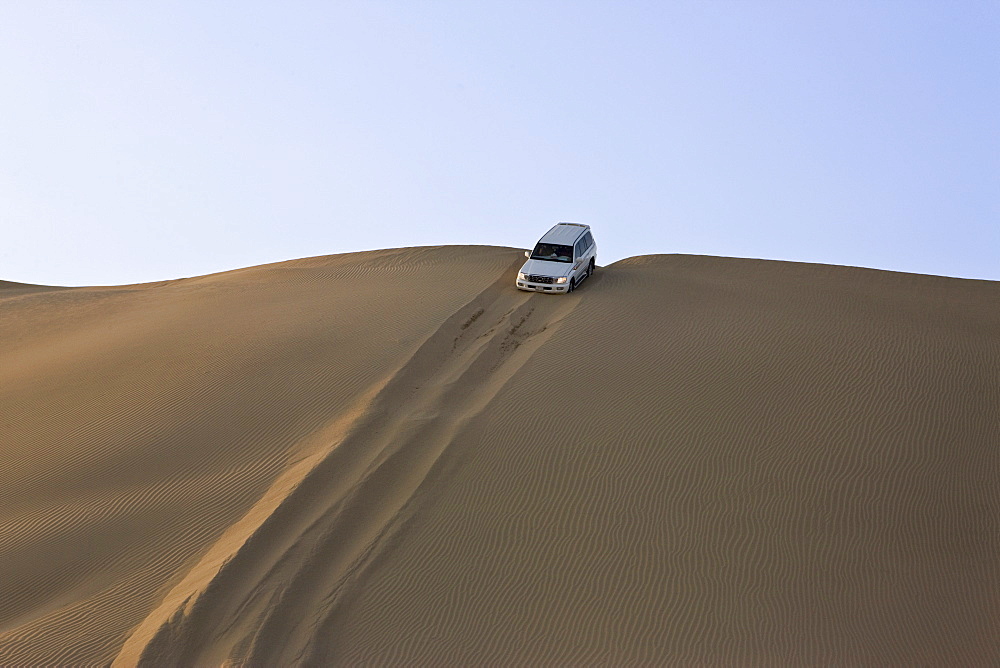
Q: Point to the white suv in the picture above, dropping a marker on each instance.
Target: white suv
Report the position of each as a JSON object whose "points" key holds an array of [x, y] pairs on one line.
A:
{"points": [[561, 260]]}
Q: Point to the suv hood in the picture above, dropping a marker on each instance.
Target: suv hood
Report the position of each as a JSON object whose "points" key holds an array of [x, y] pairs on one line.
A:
{"points": [[547, 268]]}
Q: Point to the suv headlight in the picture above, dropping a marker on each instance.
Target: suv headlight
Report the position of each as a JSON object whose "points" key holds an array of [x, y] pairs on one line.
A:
{"points": [[562, 279], [520, 275]]}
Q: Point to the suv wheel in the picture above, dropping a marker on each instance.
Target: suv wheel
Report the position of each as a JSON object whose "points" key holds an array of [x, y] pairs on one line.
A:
{"points": [[572, 285], [590, 271]]}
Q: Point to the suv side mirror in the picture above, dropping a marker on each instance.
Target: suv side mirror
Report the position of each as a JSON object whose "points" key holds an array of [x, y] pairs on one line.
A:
{"points": [[527, 254]]}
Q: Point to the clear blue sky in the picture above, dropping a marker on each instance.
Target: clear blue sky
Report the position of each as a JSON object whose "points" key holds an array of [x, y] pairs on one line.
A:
{"points": [[144, 140]]}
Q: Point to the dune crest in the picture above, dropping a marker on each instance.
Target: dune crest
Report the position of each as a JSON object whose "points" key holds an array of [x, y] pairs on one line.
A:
{"points": [[395, 457]]}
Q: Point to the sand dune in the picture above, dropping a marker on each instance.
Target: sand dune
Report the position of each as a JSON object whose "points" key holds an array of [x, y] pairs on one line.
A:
{"points": [[395, 457]]}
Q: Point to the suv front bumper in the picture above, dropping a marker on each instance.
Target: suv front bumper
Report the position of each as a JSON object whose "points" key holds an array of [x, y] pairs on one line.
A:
{"points": [[528, 286]]}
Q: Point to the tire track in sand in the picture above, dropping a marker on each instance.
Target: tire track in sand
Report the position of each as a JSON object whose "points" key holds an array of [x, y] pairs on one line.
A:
{"points": [[259, 594]]}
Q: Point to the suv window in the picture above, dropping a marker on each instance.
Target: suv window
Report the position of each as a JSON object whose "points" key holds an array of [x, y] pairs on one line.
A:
{"points": [[552, 253], [588, 241]]}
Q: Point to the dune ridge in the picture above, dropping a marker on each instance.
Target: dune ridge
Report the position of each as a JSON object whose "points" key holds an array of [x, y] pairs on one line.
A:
{"points": [[395, 457], [367, 479]]}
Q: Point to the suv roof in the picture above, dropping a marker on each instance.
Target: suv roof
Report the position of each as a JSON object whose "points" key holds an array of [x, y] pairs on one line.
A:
{"points": [[564, 234]]}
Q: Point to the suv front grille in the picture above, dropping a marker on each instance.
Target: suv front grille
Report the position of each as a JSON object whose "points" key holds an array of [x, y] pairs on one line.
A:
{"points": [[532, 278]]}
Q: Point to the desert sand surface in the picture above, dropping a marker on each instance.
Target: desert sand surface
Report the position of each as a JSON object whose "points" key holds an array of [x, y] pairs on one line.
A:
{"points": [[394, 457]]}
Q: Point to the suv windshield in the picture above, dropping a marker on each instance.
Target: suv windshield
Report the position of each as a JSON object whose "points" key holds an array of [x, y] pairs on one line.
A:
{"points": [[552, 253]]}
